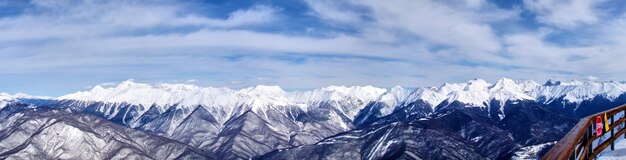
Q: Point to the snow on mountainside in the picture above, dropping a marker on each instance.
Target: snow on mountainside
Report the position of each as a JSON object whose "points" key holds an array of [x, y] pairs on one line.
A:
{"points": [[5, 99], [577, 91], [26, 96], [161, 95], [239, 124], [182, 94], [57, 134], [394, 97], [475, 92], [225, 117], [507, 89], [478, 92], [164, 95]]}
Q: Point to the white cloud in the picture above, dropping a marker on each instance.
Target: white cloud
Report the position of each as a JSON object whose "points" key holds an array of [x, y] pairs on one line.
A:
{"points": [[86, 29], [445, 41], [335, 11], [86, 19], [437, 22], [217, 40], [259, 14], [532, 50], [460, 30], [565, 13]]}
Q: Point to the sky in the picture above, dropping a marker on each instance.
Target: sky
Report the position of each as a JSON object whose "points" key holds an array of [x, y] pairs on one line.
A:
{"points": [[56, 47]]}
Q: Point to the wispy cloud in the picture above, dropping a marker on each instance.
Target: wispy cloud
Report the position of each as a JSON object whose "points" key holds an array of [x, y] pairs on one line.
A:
{"points": [[335, 11], [565, 13], [305, 44]]}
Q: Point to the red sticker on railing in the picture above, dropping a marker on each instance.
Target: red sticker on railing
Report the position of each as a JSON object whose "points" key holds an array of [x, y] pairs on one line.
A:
{"points": [[599, 125]]}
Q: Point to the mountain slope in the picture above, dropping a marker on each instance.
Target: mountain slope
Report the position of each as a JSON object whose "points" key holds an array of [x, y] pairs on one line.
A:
{"points": [[57, 134], [205, 117], [593, 96], [455, 134], [252, 121]]}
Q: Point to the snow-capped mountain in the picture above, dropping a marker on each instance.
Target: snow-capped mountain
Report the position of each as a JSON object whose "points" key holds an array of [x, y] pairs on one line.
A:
{"points": [[261, 120], [58, 134], [182, 95], [452, 135], [190, 95], [223, 103], [477, 92], [27, 96], [201, 116], [5, 99], [480, 93]]}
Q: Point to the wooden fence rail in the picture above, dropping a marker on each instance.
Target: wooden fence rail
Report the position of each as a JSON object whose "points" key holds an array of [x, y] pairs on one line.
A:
{"points": [[578, 142]]}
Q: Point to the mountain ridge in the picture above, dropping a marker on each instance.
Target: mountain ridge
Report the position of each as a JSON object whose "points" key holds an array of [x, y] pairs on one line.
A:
{"points": [[504, 89], [253, 121]]}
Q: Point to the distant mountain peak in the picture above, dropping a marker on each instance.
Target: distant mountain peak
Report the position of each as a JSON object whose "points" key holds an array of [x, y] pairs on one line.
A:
{"points": [[5, 99], [396, 88], [507, 89], [263, 89], [476, 84], [126, 84], [551, 82], [477, 92], [26, 96], [98, 88]]}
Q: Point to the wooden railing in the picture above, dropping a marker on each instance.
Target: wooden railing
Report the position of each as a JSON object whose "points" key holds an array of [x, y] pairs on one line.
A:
{"points": [[578, 142]]}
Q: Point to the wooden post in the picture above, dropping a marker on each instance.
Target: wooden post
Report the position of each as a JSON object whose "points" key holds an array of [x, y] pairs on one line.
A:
{"points": [[612, 133], [589, 135]]}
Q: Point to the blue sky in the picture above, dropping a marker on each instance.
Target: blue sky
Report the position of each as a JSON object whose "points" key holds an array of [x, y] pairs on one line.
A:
{"points": [[55, 47]]}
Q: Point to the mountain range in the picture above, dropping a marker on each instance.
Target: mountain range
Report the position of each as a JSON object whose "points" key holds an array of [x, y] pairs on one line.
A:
{"points": [[472, 120]]}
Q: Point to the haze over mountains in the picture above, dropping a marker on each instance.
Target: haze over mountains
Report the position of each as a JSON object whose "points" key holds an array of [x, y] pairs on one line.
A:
{"points": [[475, 120]]}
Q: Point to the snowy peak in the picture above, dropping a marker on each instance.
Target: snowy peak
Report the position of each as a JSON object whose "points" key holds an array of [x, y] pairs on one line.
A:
{"points": [[476, 84], [5, 99], [98, 88], [263, 90], [392, 98], [507, 89], [528, 86], [479, 92], [364, 94], [185, 95], [577, 91], [473, 97], [367, 92], [261, 96], [5, 96], [26, 96], [178, 87], [161, 95], [476, 92], [505, 83], [129, 84], [450, 87]]}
